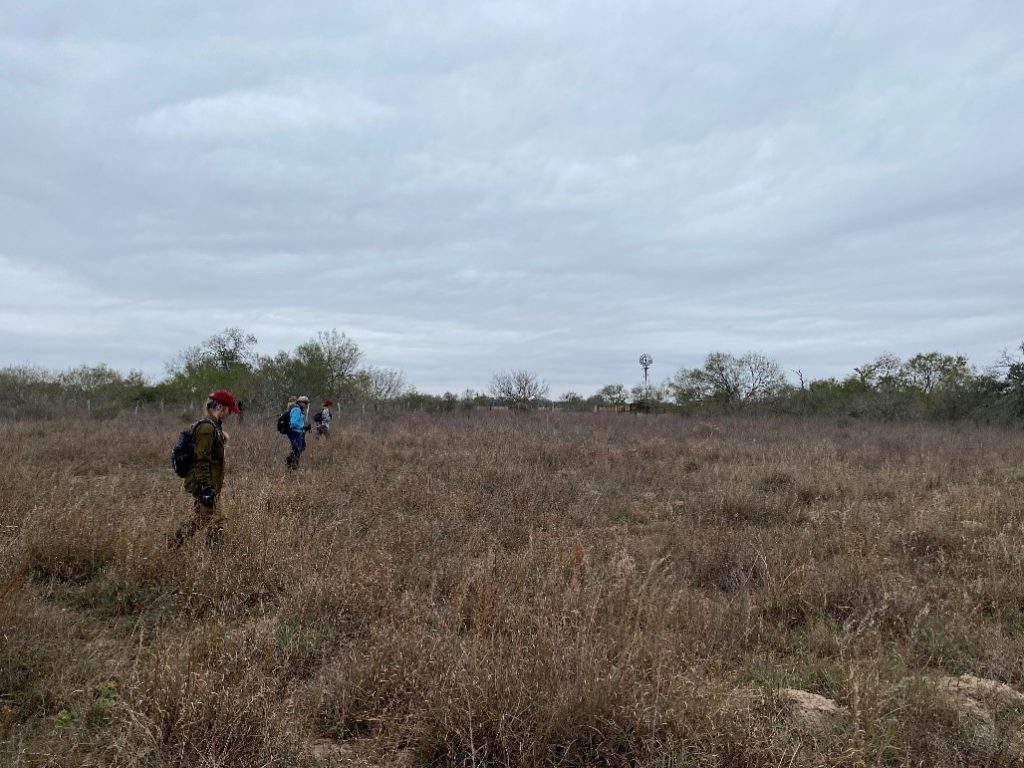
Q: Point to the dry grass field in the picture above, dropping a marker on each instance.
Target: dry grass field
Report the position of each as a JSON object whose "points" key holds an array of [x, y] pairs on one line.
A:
{"points": [[492, 589]]}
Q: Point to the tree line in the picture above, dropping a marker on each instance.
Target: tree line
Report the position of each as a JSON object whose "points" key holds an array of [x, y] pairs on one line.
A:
{"points": [[328, 365], [928, 385]]}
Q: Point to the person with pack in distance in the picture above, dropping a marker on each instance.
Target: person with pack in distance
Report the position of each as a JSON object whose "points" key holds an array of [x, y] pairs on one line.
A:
{"points": [[323, 420], [297, 429], [198, 458], [284, 420]]}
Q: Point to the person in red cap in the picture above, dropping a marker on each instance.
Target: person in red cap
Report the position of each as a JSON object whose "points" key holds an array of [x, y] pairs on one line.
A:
{"points": [[323, 420], [206, 478]]}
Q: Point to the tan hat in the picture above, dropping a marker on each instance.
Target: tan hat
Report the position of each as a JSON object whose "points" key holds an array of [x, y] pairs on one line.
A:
{"points": [[302, 399]]}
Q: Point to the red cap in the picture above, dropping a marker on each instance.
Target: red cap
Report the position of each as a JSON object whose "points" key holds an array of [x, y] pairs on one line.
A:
{"points": [[223, 397], [328, 402]]}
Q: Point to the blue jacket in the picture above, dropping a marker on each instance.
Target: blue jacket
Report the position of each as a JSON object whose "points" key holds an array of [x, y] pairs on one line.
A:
{"points": [[296, 419]]}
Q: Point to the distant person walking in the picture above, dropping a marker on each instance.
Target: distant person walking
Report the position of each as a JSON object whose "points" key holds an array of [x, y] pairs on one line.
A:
{"points": [[206, 477], [323, 420], [297, 429]]}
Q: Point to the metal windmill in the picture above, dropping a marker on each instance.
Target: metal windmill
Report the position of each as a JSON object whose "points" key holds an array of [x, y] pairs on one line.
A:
{"points": [[646, 361]]}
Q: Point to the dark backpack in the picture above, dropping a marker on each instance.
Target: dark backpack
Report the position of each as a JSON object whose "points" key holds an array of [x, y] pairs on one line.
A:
{"points": [[183, 456], [284, 422], [318, 417]]}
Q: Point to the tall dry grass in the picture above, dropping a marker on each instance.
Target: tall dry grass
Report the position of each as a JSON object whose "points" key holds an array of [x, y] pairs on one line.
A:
{"points": [[545, 589]]}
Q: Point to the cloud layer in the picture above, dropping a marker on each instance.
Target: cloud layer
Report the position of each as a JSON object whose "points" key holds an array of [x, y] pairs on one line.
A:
{"points": [[465, 187]]}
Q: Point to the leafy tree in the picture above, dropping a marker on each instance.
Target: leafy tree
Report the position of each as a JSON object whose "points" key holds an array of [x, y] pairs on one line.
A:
{"points": [[100, 385], [831, 395], [885, 373], [1012, 383], [421, 401], [323, 366], [225, 351], [326, 366], [231, 348], [729, 380], [928, 384], [613, 394], [932, 371], [135, 388], [90, 384], [25, 385], [226, 359], [275, 380], [946, 385], [649, 394], [471, 399], [573, 401]]}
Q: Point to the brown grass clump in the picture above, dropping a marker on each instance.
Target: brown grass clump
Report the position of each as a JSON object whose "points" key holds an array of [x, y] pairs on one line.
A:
{"points": [[516, 589]]}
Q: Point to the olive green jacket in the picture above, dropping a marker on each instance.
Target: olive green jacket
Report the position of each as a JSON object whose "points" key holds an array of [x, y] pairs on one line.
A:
{"points": [[208, 471]]}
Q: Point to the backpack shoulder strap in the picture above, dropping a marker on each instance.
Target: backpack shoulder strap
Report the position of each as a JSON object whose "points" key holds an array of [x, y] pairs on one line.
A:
{"points": [[204, 420]]}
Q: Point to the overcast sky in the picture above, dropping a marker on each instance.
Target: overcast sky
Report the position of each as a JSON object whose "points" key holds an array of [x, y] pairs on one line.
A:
{"points": [[467, 187]]}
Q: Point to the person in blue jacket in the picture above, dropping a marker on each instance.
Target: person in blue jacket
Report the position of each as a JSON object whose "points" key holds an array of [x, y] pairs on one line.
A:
{"points": [[297, 429]]}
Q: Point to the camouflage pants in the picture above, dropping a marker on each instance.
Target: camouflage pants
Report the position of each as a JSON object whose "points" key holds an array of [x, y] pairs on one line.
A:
{"points": [[203, 517]]}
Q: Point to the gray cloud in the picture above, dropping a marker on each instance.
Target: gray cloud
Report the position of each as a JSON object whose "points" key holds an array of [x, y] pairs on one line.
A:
{"points": [[465, 187]]}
